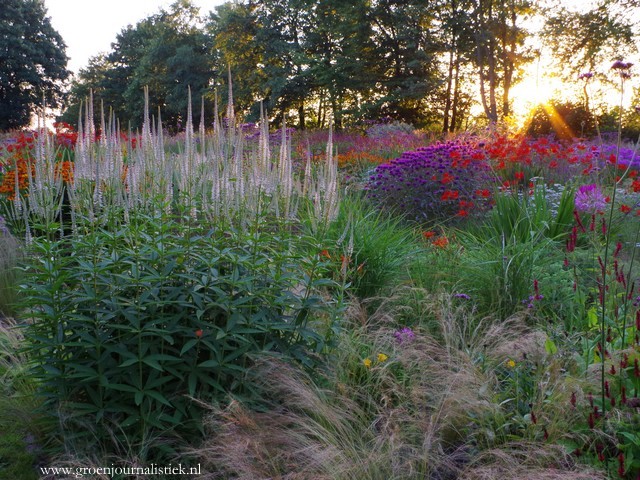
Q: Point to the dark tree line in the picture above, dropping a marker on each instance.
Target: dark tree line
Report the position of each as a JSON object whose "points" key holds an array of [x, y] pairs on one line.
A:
{"points": [[411, 60], [32, 62], [424, 62]]}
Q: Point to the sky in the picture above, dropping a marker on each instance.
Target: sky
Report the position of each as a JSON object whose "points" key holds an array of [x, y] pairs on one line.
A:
{"points": [[88, 27]]}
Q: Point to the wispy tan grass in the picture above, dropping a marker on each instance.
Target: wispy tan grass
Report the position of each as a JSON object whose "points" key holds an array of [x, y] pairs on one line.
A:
{"points": [[424, 413]]}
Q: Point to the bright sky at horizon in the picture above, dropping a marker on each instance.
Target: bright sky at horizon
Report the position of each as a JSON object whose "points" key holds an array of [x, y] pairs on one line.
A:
{"points": [[88, 27]]}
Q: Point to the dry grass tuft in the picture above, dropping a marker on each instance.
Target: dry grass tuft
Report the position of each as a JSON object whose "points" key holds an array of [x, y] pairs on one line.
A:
{"points": [[527, 461], [423, 413]]}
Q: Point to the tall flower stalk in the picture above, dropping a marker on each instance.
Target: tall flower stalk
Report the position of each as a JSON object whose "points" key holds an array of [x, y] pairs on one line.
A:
{"points": [[623, 69]]}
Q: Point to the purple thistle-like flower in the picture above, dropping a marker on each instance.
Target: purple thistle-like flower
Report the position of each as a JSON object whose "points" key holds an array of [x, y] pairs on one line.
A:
{"points": [[589, 198], [462, 295], [404, 335], [621, 65], [585, 76]]}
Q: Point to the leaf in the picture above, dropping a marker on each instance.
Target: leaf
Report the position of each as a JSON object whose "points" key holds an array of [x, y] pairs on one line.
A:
{"points": [[188, 346], [209, 363], [592, 317], [550, 347], [158, 397], [121, 387]]}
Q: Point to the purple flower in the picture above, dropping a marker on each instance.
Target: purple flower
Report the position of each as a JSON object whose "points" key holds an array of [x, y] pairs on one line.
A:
{"points": [[585, 76], [589, 198], [620, 65], [462, 295], [404, 335], [434, 182]]}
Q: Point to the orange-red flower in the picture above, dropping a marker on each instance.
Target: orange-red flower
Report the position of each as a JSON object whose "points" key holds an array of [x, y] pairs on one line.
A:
{"points": [[440, 242]]}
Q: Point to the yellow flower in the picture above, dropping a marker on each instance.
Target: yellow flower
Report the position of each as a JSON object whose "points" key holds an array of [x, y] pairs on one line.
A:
{"points": [[367, 362], [382, 357], [511, 363]]}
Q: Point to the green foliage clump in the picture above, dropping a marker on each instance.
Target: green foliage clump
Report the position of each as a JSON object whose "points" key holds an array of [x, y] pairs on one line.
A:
{"points": [[505, 255], [130, 324], [368, 248]]}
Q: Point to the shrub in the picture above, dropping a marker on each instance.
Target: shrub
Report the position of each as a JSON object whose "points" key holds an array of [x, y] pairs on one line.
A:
{"points": [[441, 182], [381, 130], [130, 324], [367, 248]]}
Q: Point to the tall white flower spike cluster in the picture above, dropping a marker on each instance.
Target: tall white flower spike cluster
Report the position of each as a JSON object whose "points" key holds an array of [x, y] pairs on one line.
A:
{"points": [[213, 174]]}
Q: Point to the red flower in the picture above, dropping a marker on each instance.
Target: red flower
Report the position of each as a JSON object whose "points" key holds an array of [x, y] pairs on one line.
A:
{"points": [[621, 465], [591, 421], [441, 242], [429, 234], [519, 176], [625, 208], [447, 178], [449, 195], [199, 333]]}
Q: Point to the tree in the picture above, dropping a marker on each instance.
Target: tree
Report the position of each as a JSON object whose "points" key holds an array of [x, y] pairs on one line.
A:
{"points": [[234, 28], [32, 62], [499, 39], [405, 33], [581, 41], [168, 52], [458, 43]]}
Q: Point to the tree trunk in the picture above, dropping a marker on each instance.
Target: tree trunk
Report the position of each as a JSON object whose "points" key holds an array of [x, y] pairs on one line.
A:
{"points": [[456, 97], [447, 102], [301, 116]]}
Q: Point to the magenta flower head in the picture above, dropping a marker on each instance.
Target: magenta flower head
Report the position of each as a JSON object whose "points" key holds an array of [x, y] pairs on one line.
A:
{"points": [[620, 65], [405, 335], [585, 76], [589, 198]]}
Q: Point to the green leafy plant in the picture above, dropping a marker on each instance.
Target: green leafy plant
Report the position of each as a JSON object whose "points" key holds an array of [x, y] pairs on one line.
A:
{"points": [[366, 248], [130, 325]]}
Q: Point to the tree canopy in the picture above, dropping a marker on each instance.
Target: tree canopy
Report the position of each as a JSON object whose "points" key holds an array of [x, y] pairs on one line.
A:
{"points": [[425, 63], [32, 62], [168, 52]]}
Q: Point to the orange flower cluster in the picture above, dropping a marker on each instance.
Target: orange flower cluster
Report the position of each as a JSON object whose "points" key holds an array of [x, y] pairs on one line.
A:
{"points": [[20, 160], [65, 169], [19, 175], [436, 241], [440, 242], [352, 157]]}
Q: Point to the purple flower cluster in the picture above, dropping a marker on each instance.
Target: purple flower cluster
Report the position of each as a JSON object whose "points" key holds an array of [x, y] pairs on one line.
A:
{"points": [[536, 297], [621, 65], [404, 335], [590, 199], [625, 155], [444, 181]]}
